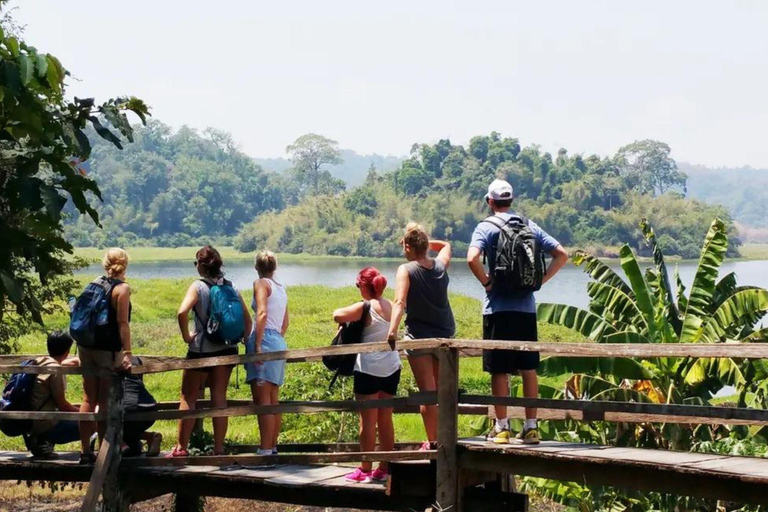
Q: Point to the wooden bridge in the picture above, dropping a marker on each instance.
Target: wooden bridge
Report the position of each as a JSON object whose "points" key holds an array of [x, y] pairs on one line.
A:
{"points": [[461, 474]]}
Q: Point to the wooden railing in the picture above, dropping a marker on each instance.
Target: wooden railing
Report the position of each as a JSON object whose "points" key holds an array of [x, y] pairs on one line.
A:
{"points": [[452, 403]]}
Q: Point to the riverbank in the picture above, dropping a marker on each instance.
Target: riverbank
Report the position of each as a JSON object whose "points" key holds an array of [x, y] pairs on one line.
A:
{"points": [[155, 331], [161, 254], [749, 252]]}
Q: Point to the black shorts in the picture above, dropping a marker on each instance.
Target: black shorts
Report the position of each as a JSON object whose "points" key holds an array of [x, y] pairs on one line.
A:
{"points": [[365, 384], [227, 351], [512, 326]]}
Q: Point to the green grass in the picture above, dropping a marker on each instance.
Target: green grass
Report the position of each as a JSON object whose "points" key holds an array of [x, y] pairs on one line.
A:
{"points": [[754, 251], [154, 254], [154, 331]]}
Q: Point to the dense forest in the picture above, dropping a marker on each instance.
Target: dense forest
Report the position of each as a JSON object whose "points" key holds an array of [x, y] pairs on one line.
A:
{"points": [[743, 190], [182, 187]]}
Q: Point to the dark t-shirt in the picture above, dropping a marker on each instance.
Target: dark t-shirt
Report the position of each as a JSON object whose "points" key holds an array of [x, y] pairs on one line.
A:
{"points": [[135, 394], [428, 311]]}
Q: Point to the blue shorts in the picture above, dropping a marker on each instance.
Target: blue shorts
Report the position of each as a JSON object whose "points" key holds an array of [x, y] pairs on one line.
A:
{"points": [[269, 371]]}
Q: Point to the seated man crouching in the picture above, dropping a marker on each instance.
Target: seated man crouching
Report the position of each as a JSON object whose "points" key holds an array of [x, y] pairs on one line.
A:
{"points": [[49, 394]]}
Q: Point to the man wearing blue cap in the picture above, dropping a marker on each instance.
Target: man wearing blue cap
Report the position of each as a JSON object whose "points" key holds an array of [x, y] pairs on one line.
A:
{"points": [[514, 247]]}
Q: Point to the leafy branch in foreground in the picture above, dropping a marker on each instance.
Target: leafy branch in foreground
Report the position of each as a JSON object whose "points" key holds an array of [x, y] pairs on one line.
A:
{"points": [[42, 146]]}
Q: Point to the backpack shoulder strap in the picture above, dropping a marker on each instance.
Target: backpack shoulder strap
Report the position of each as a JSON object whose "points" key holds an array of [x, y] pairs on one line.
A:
{"points": [[366, 309], [495, 221]]}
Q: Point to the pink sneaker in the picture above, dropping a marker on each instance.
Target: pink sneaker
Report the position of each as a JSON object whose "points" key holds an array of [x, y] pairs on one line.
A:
{"points": [[358, 476], [177, 452], [378, 475], [426, 447]]}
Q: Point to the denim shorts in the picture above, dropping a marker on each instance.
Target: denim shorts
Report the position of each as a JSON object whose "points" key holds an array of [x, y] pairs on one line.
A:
{"points": [[269, 371]]}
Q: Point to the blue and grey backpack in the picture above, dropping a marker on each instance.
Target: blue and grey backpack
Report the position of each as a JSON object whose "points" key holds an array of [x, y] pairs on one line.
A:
{"points": [[226, 318], [89, 321]]}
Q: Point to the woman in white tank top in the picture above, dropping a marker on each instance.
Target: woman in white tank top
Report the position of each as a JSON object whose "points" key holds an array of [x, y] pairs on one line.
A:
{"points": [[270, 307], [377, 374]]}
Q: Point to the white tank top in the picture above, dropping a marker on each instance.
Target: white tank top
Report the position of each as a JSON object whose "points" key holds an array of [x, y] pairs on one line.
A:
{"points": [[277, 302], [378, 364]]}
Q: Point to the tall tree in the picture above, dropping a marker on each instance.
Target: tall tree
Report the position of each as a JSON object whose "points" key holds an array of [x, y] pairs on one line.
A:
{"points": [[309, 153], [646, 164], [42, 143]]}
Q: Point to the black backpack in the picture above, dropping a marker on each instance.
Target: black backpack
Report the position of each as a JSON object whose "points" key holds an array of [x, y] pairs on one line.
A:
{"points": [[349, 333], [519, 264]]}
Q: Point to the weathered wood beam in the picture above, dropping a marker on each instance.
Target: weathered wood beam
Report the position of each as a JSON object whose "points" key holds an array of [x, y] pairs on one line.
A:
{"points": [[99, 474], [257, 460], [596, 410], [282, 408], [447, 429]]}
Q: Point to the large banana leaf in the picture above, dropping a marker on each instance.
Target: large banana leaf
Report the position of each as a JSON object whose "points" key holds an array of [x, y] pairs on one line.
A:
{"points": [[618, 367], [621, 305], [588, 324], [640, 287], [661, 267], [599, 271], [724, 370], [625, 337], [760, 335], [742, 306], [724, 288], [703, 288], [662, 316]]}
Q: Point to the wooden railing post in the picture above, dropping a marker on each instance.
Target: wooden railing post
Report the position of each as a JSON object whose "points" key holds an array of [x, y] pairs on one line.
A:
{"points": [[115, 499], [447, 430]]}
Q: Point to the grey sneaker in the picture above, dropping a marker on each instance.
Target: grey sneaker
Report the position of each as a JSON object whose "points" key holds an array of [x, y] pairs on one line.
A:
{"points": [[528, 436]]}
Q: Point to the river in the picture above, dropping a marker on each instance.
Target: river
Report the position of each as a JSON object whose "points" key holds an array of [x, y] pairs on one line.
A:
{"points": [[568, 287]]}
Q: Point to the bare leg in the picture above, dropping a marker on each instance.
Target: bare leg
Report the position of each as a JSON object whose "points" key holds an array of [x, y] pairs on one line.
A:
{"points": [[386, 430], [500, 387], [219, 382], [367, 430], [530, 390], [190, 391], [278, 418], [90, 400], [423, 371], [262, 395]]}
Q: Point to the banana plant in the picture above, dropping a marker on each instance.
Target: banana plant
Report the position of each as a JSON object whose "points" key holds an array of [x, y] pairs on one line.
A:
{"points": [[649, 307]]}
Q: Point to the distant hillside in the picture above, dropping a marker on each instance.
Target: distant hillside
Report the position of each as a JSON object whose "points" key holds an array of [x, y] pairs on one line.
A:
{"points": [[743, 190], [352, 171]]}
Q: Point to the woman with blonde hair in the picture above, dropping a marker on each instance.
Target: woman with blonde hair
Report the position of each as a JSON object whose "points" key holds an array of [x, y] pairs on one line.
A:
{"points": [[111, 348], [421, 294], [270, 307], [376, 375], [204, 342]]}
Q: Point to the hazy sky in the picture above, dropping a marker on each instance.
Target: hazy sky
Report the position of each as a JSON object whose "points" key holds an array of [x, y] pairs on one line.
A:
{"points": [[378, 76]]}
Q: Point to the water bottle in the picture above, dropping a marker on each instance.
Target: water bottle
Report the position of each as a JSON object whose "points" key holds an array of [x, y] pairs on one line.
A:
{"points": [[71, 302]]}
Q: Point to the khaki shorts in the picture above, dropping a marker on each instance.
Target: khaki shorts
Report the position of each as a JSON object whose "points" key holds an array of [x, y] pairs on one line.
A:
{"points": [[92, 358]]}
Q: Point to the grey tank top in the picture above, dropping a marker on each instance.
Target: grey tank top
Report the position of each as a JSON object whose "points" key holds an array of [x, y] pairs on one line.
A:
{"points": [[428, 312]]}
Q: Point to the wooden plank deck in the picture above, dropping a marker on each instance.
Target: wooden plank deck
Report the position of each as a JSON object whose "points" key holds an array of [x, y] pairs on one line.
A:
{"points": [[738, 479], [312, 485]]}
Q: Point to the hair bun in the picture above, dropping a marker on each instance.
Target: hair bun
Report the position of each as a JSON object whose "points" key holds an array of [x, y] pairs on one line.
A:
{"points": [[115, 262], [373, 280]]}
